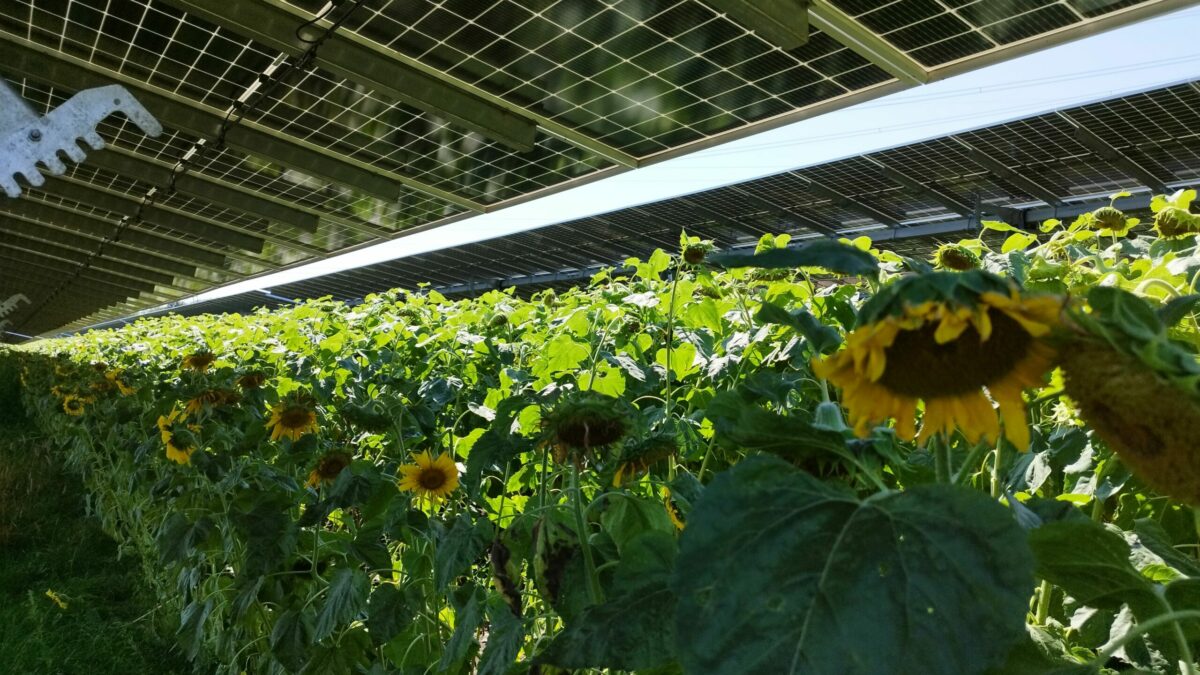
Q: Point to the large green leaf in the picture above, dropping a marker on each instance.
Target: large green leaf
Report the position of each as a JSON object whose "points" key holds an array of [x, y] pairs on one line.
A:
{"points": [[831, 255], [462, 544], [291, 637], [191, 626], [505, 635], [780, 573], [466, 622], [634, 629], [823, 339], [743, 424], [1090, 563], [345, 598], [387, 613]]}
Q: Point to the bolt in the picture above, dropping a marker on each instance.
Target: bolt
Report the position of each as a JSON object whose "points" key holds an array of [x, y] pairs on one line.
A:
{"points": [[35, 135]]}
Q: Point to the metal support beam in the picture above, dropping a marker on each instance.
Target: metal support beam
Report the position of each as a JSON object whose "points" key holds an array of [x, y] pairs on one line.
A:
{"points": [[1014, 178], [934, 192], [1114, 156], [127, 205], [38, 62], [81, 296], [783, 23], [47, 271], [62, 218], [69, 255], [858, 39], [158, 174], [787, 214], [274, 24], [15, 255], [87, 244], [851, 203]]}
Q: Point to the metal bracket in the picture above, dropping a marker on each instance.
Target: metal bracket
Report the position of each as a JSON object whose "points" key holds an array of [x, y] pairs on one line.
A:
{"points": [[27, 140], [10, 305]]}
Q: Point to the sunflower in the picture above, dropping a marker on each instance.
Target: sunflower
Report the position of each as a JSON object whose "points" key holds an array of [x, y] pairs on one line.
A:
{"points": [[75, 405], [58, 391], [251, 381], [644, 454], [328, 468], [211, 398], [672, 510], [955, 257], [180, 446], [1138, 391], [292, 419], [199, 361], [943, 338], [117, 377], [584, 420], [429, 477]]}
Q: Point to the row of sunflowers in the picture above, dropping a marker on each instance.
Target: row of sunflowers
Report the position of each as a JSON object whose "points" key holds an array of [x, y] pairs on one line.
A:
{"points": [[825, 458]]}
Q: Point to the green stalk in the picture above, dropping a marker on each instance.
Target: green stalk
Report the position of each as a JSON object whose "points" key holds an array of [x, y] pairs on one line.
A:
{"points": [[1043, 605], [970, 463], [589, 563], [996, 464], [941, 458]]}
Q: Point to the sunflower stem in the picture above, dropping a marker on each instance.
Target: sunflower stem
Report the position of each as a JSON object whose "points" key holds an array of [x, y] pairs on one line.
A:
{"points": [[1043, 605], [941, 458], [997, 463], [589, 563], [1142, 628], [970, 464]]}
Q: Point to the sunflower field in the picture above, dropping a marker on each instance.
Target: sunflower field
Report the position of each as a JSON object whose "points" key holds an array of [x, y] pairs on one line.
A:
{"points": [[819, 459]]}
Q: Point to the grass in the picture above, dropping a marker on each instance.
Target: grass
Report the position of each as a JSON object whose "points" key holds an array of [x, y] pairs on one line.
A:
{"points": [[47, 542]]}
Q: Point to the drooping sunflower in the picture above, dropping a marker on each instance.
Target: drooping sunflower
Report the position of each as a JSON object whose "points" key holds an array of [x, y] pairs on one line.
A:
{"points": [[641, 456], [292, 418], [955, 257], [199, 361], [1139, 391], [584, 420], [673, 511], [328, 468], [75, 405], [429, 477], [211, 398], [251, 381], [180, 446], [945, 338]]}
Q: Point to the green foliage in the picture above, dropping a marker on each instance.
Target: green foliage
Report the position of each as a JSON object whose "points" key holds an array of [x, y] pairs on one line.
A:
{"points": [[834, 576], [647, 474]]}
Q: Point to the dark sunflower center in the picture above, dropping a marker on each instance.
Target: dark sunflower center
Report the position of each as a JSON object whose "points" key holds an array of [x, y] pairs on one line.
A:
{"points": [[74, 405], [294, 418], [179, 443], [917, 366], [332, 466], [432, 478]]}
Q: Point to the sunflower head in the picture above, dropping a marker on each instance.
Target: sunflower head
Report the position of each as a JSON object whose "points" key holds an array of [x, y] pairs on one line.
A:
{"points": [[949, 339], [328, 468], [1108, 218], [293, 417], [121, 381], [178, 436], [584, 420], [498, 320], [955, 257], [428, 477], [1172, 221], [251, 381], [640, 456], [75, 405], [1137, 389], [99, 366], [199, 361], [212, 398], [695, 253]]}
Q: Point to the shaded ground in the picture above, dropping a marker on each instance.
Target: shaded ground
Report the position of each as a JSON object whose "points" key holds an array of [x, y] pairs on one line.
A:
{"points": [[47, 542]]}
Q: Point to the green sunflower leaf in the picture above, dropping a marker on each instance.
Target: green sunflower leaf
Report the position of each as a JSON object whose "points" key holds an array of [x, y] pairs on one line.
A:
{"points": [[459, 547], [781, 573], [827, 254], [823, 339], [346, 596], [634, 629]]}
